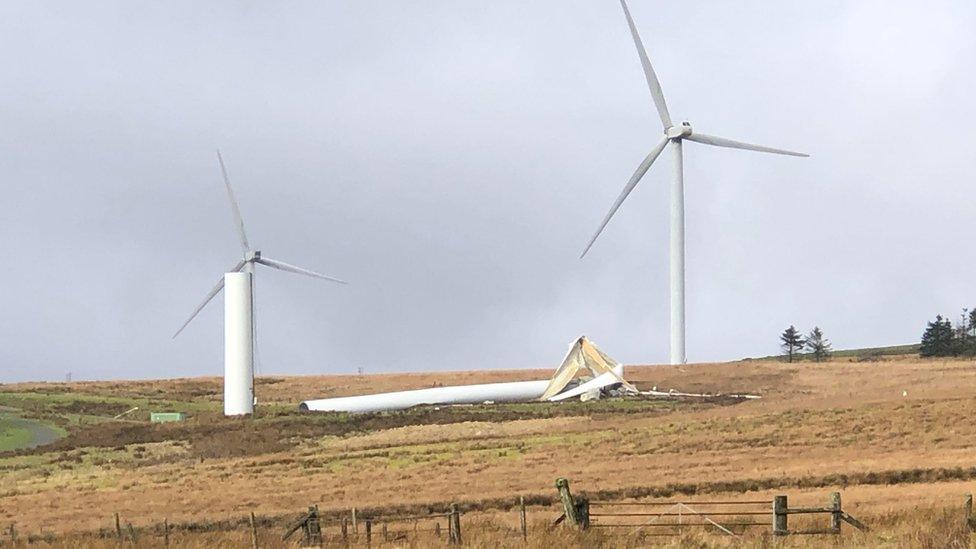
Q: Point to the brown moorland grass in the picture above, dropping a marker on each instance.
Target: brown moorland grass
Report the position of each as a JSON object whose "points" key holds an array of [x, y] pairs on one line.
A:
{"points": [[926, 527], [838, 423]]}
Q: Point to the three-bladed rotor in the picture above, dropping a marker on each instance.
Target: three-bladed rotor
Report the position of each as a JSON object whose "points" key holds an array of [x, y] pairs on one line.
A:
{"points": [[675, 135], [672, 132], [250, 257]]}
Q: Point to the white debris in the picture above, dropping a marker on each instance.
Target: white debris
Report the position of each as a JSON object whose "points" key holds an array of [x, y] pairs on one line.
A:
{"points": [[583, 356]]}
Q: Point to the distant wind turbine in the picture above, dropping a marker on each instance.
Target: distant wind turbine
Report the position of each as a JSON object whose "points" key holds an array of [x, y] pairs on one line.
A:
{"points": [[674, 135], [239, 313]]}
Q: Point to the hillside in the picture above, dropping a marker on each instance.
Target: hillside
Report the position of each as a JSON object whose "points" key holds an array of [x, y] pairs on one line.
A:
{"points": [[865, 353], [896, 433]]}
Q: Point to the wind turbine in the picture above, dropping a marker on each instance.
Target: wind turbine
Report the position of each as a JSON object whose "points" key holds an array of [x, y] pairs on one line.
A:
{"points": [[673, 135], [238, 284]]}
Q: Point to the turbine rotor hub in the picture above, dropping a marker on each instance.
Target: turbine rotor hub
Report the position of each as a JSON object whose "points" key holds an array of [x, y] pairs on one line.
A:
{"points": [[677, 132], [253, 256]]}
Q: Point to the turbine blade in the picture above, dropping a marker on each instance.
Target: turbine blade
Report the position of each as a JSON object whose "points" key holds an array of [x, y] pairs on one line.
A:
{"points": [[282, 266], [638, 174], [652, 82], [216, 289], [722, 142], [238, 220], [605, 379]]}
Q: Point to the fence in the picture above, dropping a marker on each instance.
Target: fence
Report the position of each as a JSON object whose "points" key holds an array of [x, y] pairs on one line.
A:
{"points": [[346, 530], [670, 518], [653, 517], [732, 518]]}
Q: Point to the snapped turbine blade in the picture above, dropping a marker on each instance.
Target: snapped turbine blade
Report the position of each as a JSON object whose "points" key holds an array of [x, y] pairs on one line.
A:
{"points": [[652, 82], [638, 174], [729, 143], [216, 289], [282, 266], [238, 220]]}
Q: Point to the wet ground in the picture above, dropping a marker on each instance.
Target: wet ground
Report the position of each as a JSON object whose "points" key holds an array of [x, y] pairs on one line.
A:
{"points": [[18, 433]]}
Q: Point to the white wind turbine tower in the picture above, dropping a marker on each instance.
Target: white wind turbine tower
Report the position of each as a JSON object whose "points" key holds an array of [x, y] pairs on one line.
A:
{"points": [[674, 135], [238, 284]]}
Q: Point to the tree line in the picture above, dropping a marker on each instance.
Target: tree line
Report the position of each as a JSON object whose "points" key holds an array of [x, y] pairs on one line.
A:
{"points": [[793, 343], [942, 338]]}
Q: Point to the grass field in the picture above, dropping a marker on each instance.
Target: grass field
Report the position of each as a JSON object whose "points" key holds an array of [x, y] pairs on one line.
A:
{"points": [[895, 435], [17, 432], [862, 354], [13, 434]]}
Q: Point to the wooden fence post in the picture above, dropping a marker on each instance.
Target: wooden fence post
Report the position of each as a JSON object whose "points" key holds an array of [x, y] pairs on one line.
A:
{"points": [[355, 523], [835, 512], [386, 533], [369, 532], [314, 527], [522, 523], [437, 529], [13, 532], [455, 523], [344, 528], [254, 531], [569, 506], [970, 521], [780, 524], [583, 512], [118, 527], [165, 532]]}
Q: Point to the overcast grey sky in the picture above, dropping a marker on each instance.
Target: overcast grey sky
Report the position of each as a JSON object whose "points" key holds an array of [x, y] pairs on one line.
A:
{"points": [[451, 159]]}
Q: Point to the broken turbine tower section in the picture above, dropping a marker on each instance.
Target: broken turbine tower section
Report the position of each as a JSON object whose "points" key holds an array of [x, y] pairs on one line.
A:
{"points": [[605, 373]]}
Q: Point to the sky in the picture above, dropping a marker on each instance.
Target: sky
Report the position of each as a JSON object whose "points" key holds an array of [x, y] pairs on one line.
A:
{"points": [[451, 160]]}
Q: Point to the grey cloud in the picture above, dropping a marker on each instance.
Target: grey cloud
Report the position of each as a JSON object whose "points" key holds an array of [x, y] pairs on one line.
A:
{"points": [[450, 159]]}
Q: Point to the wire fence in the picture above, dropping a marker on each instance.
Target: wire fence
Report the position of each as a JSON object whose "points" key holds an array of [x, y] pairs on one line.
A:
{"points": [[649, 518], [670, 518]]}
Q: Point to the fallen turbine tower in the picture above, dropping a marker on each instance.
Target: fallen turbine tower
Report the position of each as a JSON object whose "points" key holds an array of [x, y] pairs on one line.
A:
{"points": [[583, 356]]}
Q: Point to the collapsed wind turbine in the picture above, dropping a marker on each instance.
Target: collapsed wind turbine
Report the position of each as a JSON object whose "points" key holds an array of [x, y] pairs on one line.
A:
{"points": [[238, 284], [674, 135]]}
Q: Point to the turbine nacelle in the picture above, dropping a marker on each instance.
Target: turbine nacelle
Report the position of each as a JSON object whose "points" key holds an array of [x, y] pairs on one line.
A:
{"points": [[677, 132], [251, 257]]}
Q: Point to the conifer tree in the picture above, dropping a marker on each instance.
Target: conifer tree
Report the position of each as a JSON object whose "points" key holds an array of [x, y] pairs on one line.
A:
{"points": [[818, 345], [791, 342], [939, 338]]}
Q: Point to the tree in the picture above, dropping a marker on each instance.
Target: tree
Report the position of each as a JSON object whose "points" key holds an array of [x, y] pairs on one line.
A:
{"points": [[964, 340], [939, 338], [818, 345], [792, 342], [965, 343]]}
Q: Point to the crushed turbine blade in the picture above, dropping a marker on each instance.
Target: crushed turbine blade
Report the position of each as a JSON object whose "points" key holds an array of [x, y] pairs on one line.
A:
{"points": [[652, 82], [282, 266], [729, 143], [238, 220], [216, 289], [638, 174], [599, 382]]}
